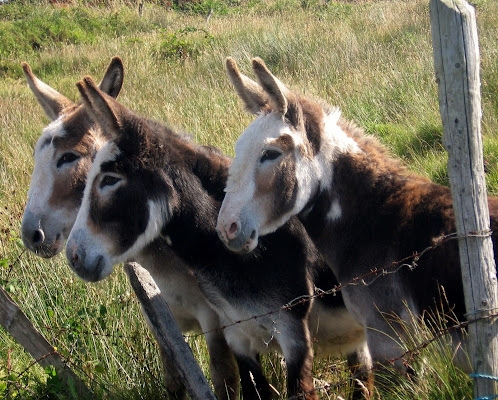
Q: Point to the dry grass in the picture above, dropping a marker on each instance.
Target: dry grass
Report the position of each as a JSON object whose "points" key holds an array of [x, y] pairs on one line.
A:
{"points": [[372, 58]]}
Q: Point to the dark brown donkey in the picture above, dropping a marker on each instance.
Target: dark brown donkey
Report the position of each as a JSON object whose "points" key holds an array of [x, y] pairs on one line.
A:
{"points": [[151, 183], [63, 156]]}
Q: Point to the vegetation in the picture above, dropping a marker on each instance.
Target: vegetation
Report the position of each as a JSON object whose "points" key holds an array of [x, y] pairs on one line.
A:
{"points": [[371, 58]]}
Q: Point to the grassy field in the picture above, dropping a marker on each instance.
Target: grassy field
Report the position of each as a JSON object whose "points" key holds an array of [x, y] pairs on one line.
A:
{"points": [[371, 58]]}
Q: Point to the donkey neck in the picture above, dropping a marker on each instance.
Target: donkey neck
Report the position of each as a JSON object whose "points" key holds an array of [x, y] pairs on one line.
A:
{"points": [[199, 177], [371, 203], [211, 168]]}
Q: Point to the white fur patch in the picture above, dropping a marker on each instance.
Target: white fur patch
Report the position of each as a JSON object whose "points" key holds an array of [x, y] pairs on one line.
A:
{"points": [[334, 142], [335, 211], [157, 212], [42, 179]]}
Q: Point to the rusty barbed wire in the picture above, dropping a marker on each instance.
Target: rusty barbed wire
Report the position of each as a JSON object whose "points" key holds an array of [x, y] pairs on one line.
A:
{"points": [[375, 273], [361, 280], [409, 262]]}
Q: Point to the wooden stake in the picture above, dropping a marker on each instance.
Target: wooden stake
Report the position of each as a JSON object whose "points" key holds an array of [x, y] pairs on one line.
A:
{"points": [[456, 61], [167, 332], [22, 330]]}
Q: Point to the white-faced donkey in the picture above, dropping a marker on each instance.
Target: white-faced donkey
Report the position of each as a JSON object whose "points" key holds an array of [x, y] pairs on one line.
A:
{"points": [[150, 183], [361, 207], [63, 156]]}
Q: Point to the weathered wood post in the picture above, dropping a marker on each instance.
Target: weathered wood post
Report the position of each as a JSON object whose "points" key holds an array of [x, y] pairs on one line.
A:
{"points": [[167, 332], [456, 61], [22, 330]]}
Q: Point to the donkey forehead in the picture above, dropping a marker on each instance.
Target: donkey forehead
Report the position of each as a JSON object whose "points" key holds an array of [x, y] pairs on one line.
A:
{"points": [[71, 131], [49, 133], [267, 130], [106, 154]]}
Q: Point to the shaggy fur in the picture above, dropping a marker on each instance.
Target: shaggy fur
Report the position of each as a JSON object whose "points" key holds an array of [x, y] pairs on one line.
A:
{"points": [[361, 207]]}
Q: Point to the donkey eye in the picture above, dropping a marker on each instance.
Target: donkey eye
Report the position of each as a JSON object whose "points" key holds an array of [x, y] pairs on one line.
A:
{"points": [[67, 158], [109, 180], [269, 155]]}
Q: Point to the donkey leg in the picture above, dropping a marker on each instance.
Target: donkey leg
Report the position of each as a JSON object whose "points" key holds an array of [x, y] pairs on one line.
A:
{"points": [[254, 384], [360, 367], [383, 333], [298, 353], [224, 371], [383, 342]]}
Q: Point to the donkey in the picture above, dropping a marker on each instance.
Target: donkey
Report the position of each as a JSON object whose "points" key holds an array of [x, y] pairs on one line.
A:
{"points": [[151, 183], [63, 156], [361, 207]]}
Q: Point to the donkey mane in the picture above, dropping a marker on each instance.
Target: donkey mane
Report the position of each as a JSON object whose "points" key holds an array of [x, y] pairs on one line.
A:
{"points": [[208, 163], [309, 113]]}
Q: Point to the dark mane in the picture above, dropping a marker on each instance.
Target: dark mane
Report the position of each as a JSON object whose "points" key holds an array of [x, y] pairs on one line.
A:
{"points": [[155, 139], [378, 154]]}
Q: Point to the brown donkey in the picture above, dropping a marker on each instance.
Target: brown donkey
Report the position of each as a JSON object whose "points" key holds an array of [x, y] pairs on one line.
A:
{"points": [[63, 156], [362, 208], [151, 183]]}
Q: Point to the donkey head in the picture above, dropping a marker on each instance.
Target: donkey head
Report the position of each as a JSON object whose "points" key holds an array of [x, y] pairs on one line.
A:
{"points": [[121, 212], [63, 156], [278, 164]]}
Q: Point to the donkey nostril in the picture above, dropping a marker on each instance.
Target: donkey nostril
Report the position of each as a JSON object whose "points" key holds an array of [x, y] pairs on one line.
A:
{"points": [[38, 237], [233, 228], [78, 257], [75, 258], [253, 234]]}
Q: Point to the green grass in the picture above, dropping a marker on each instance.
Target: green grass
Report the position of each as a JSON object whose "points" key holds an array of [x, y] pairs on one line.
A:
{"points": [[371, 58]]}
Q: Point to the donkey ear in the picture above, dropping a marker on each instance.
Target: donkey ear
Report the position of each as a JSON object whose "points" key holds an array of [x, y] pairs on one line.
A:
{"points": [[113, 78], [102, 108], [52, 102], [253, 96], [276, 90]]}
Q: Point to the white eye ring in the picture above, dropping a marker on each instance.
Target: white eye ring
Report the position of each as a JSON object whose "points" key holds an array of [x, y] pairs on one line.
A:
{"points": [[109, 180]]}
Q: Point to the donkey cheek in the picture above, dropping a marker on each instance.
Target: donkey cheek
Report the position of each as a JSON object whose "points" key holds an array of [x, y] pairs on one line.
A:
{"points": [[265, 183]]}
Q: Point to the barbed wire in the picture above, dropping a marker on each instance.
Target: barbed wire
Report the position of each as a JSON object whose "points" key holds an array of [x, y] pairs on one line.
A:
{"points": [[411, 354], [410, 262], [376, 273]]}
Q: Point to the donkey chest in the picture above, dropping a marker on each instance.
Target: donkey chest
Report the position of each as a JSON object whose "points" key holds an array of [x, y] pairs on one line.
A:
{"points": [[181, 291], [250, 325]]}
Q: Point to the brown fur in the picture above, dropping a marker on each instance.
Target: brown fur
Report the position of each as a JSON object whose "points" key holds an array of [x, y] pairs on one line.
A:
{"points": [[372, 214]]}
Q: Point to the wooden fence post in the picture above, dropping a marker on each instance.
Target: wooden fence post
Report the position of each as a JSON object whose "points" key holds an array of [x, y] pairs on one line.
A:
{"points": [[22, 330], [456, 62], [167, 332]]}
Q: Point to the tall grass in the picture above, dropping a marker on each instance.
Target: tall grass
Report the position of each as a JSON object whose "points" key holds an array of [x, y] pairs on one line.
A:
{"points": [[371, 58]]}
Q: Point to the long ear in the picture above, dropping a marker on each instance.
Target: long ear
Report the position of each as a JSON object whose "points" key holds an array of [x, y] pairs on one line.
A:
{"points": [[275, 89], [113, 79], [102, 108], [50, 99], [253, 96]]}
